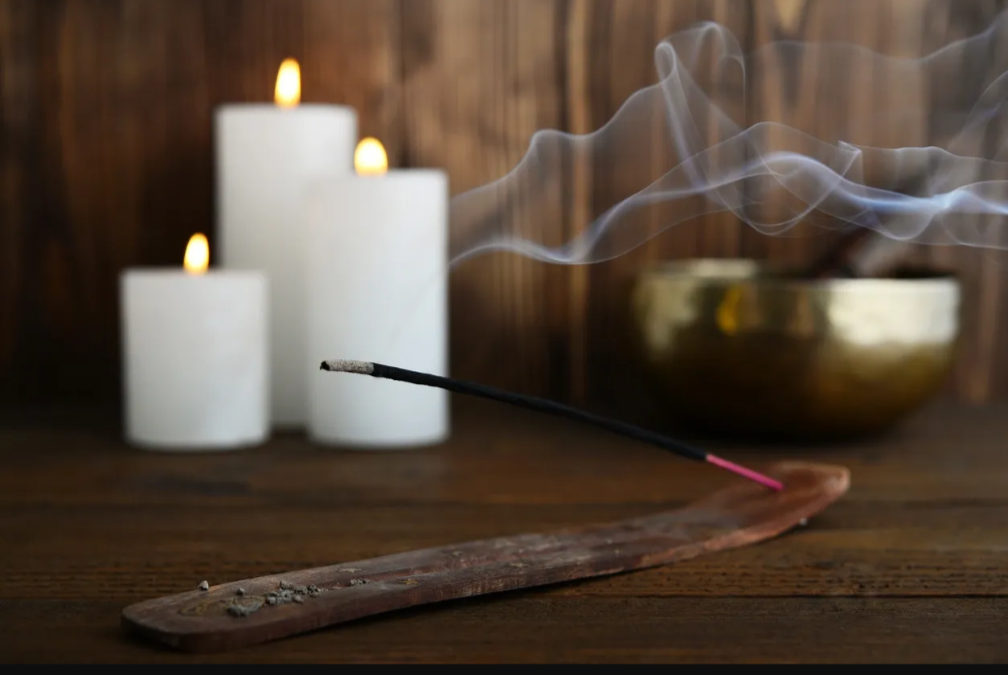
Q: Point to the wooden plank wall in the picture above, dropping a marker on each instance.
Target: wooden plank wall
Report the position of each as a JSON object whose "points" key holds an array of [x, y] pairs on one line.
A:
{"points": [[106, 155]]}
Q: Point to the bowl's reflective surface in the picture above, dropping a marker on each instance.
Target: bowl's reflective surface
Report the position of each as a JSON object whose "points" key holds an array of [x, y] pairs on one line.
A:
{"points": [[739, 349]]}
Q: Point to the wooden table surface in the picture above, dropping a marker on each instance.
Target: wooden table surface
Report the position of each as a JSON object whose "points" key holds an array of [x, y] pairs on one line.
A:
{"points": [[910, 566]]}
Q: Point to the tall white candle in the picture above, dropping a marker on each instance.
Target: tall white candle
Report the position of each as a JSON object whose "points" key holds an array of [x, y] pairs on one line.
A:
{"points": [[195, 355], [266, 155], [377, 291]]}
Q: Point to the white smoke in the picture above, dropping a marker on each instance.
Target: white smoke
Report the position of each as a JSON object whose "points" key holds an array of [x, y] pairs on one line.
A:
{"points": [[720, 164]]}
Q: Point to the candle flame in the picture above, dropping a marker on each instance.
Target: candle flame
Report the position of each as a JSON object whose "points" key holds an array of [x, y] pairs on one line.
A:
{"points": [[370, 157], [197, 255], [288, 84]]}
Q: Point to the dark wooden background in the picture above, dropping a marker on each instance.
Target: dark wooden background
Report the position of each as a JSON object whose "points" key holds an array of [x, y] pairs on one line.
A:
{"points": [[106, 155]]}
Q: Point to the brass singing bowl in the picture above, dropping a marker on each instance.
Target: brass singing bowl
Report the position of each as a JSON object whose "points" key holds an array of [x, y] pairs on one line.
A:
{"points": [[739, 348]]}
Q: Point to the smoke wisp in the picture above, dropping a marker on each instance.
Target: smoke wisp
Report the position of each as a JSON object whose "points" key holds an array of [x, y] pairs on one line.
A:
{"points": [[711, 161]]}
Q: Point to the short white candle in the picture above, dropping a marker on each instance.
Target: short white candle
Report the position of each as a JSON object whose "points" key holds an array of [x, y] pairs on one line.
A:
{"points": [[266, 154], [195, 355], [377, 291]]}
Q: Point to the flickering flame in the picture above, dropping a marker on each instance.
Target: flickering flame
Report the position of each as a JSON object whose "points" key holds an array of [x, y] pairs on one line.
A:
{"points": [[370, 157], [288, 84], [197, 255]]}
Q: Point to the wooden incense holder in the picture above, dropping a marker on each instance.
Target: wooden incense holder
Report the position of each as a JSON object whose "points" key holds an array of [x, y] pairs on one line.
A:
{"points": [[268, 608]]}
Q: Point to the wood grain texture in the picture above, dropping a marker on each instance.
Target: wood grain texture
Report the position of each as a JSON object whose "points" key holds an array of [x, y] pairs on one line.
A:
{"points": [[983, 369], [832, 96], [107, 149], [106, 162], [547, 629], [479, 79], [907, 567], [618, 57]]}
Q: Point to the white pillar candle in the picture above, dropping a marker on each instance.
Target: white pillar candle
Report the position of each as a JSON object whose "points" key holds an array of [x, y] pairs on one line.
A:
{"points": [[377, 291], [266, 154], [195, 356]]}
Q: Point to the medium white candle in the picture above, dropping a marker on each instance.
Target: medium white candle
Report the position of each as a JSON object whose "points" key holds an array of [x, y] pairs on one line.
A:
{"points": [[266, 154], [195, 355], [377, 291]]}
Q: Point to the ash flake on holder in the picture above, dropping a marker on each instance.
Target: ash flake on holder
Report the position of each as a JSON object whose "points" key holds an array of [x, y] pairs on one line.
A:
{"points": [[288, 593], [242, 604]]}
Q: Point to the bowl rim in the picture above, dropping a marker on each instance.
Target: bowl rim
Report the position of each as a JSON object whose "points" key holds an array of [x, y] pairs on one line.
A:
{"points": [[772, 274]]}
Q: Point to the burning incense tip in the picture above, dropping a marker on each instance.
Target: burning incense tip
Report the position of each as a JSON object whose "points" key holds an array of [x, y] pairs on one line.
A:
{"points": [[344, 366], [383, 371]]}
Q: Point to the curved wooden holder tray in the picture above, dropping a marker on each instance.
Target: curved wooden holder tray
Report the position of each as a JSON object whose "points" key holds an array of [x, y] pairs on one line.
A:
{"points": [[278, 606]]}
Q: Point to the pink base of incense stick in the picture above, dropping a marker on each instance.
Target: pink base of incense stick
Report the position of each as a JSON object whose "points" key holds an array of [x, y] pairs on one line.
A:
{"points": [[745, 473]]}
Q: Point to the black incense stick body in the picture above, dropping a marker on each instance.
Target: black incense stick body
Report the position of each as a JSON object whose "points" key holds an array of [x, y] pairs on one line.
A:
{"points": [[543, 405]]}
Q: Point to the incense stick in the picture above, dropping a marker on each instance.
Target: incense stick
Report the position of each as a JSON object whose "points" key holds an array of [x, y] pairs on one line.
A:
{"points": [[543, 405]]}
